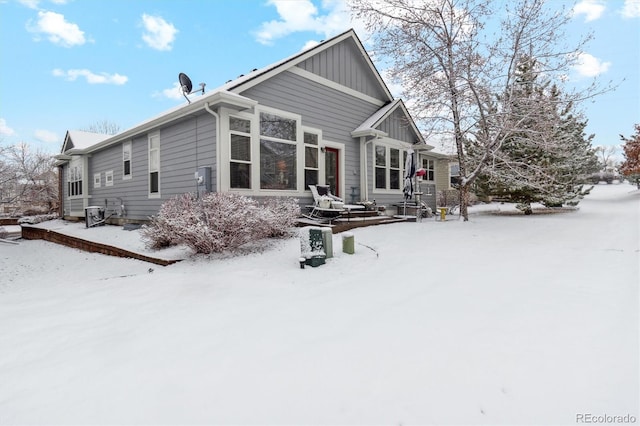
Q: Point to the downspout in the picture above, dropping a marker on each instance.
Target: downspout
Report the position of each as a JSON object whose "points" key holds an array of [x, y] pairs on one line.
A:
{"points": [[364, 185], [364, 179], [217, 117], [61, 191]]}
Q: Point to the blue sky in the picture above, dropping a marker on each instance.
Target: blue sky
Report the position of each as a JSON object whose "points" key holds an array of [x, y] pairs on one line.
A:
{"points": [[67, 64]]}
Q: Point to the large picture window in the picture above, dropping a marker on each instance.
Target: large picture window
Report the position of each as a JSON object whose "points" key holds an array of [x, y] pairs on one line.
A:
{"points": [[154, 164], [240, 165], [278, 152], [74, 177]]}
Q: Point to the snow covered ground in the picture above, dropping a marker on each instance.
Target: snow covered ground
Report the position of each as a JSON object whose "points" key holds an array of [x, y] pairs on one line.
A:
{"points": [[500, 320]]}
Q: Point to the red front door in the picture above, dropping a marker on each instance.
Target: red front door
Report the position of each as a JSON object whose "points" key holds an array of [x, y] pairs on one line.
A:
{"points": [[332, 169]]}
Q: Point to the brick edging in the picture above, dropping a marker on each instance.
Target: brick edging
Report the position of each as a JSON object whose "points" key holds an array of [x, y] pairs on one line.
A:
{"points": [[33, 233]]}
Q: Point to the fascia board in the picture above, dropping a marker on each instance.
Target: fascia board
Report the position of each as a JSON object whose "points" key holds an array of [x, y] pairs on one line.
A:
{"points": [[279, 67], [214, 99]]}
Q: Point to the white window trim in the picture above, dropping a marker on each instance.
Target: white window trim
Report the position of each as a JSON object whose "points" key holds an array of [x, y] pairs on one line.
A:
{"points": [[433, 162], [107, 175], [75, 160], [299, 153], [388, 144], [252, 153], [97, 180], [321, 163], [127, 146], [225, 152], [149, 137]]}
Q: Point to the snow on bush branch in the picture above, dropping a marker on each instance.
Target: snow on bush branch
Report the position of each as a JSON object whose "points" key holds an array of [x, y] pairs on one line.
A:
{"points": [[219, 221]]}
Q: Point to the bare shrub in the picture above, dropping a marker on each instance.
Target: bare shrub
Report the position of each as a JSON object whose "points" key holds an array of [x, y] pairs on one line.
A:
{"points": [[218, 221], [279, 215]]}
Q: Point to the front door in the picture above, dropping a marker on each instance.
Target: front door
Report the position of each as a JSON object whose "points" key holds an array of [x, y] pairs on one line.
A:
{"points": [[331, 170]]}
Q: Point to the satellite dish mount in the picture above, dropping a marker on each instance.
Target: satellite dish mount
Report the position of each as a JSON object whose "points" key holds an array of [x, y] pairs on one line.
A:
{"points": [[186, 87]]}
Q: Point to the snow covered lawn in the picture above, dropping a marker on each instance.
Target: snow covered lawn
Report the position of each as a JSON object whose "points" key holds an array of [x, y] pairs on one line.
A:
{"points": [[500, 320]]}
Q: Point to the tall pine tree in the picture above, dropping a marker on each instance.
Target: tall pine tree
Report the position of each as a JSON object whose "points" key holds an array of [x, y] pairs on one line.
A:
{"points": [[545, 153]]}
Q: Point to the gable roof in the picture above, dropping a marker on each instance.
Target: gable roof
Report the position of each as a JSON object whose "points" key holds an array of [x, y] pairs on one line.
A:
{"points": [[257, 76], [370, 126], [80, 140], [229, 94]]}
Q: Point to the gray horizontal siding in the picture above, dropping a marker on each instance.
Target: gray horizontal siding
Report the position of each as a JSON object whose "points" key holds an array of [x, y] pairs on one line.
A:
{"points": [[184, 146]]}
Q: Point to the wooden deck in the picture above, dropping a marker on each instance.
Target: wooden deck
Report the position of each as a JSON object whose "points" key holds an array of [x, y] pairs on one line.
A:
{"points": [[353, 220]]}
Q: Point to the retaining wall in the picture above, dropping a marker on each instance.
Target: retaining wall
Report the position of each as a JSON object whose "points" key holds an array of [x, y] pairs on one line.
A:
{"points": [[33, 233]]}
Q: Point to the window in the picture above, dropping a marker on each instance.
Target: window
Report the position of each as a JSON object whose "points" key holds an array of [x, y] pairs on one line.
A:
{"points": [[74, 177], [429, 167], [388, 168], [381, 167], [240, 165], [96, 180], [108, 178], [154, 164], [310, 159], [454, 171], [278, 166], [126, 160], [394, 168]]}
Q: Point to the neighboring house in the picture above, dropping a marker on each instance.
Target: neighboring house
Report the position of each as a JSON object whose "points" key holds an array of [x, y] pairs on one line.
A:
{"points": [[323, 116]]}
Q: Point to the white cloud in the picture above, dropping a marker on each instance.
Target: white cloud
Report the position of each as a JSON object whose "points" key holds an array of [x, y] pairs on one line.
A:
{"points": [[31, 4], [310, 44], [92, 78], [4, 129], [159, 34], [174, 92], [589, 66], [302, 15], [631, 9], [57, 29], [46, 136], [591, 9]]}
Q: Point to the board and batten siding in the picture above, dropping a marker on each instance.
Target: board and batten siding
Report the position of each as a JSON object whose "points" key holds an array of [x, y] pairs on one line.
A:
{"points": [[344, 64], [396, 125], [184, 146]]}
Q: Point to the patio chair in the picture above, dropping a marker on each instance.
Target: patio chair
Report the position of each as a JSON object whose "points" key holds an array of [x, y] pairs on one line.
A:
{"points": [[326, 206]]}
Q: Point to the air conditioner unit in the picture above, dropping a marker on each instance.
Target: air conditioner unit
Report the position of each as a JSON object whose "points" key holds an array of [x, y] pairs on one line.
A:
{"points": [[93, 216]]}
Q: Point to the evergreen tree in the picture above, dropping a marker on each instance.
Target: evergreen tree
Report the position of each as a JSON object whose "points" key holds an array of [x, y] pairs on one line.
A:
{"points": [[630, 168], [545, 154]]}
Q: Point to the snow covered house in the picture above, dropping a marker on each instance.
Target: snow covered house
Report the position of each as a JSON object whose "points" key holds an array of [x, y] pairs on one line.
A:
{"points": [[322, 116]]}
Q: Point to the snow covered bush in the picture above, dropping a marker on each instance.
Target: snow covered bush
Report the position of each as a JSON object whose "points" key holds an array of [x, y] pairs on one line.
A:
{"points": [[218, 221], [32, 220], [279, 215]]}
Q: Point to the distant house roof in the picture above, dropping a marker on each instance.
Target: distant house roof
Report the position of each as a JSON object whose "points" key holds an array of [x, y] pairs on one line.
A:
{"points": [[80, 140]]}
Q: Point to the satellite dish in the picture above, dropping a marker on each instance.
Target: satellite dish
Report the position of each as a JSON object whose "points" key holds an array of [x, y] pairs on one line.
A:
{"points": [[186, 86]]}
